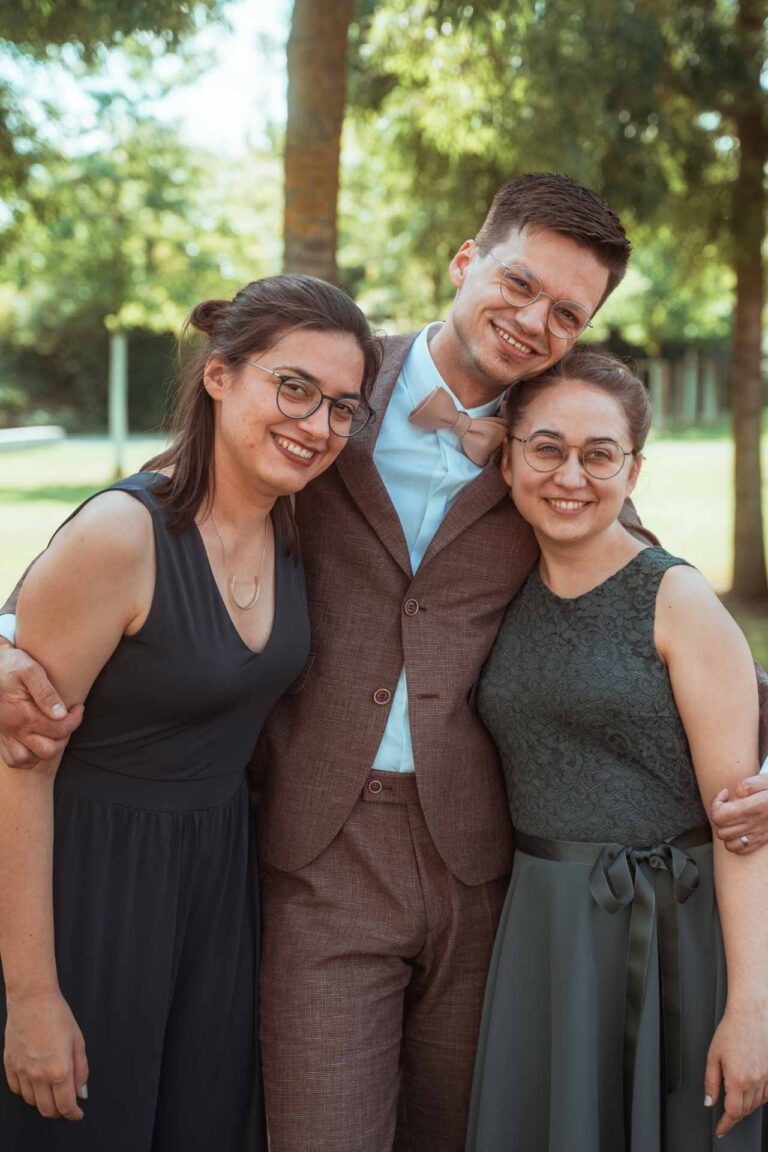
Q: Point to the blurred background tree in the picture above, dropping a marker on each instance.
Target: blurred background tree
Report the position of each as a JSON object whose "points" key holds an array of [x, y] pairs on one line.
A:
{"points": [[317, 96]]}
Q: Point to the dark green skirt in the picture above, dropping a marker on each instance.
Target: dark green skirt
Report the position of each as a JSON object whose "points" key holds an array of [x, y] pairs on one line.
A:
{"points": [[606, 985]]}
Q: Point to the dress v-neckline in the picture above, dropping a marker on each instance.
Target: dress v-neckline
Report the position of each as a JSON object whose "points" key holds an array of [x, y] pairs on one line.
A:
{"points": [[223, 604]]}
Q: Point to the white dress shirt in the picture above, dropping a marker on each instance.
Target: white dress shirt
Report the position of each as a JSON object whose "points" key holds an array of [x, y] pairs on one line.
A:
{"points": [[423, 473]]}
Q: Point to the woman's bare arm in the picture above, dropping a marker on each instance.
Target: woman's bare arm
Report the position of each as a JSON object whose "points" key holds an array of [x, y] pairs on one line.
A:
{"points": [[713, 680], [93, 585]]}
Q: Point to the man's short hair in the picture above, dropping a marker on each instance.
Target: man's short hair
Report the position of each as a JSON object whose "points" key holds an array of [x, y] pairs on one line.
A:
{"points": [[549, 201]]}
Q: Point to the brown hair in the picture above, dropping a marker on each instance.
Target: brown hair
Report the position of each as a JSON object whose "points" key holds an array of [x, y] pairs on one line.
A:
{"points": [[258, 316], [601, 370], [548, 200]]}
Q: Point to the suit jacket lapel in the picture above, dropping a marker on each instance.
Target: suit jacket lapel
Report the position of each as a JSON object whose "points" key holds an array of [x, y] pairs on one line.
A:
{"points": [[484, 493], [359, 473], [356, 467]]}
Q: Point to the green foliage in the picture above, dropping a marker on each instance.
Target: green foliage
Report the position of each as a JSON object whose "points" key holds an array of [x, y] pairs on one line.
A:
{"points": [[13, 402], [129, 234], [35, 30], [633, 99], [121, 227], [34, 26]]}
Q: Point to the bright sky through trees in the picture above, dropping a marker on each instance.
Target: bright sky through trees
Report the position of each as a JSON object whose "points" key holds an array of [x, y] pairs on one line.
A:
{"points": [[230, 104], [244, 91]]}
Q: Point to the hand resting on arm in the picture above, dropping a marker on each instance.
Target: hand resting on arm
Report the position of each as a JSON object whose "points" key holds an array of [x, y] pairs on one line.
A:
{"points": [[34, 723]]}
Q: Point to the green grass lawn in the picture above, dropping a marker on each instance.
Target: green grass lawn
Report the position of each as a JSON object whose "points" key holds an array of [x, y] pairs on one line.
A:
{"points": [[684, 494], [39, 487]]}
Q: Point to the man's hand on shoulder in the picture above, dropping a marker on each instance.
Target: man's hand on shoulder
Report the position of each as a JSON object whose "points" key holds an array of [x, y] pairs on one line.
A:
{"points": [[34, 723]]}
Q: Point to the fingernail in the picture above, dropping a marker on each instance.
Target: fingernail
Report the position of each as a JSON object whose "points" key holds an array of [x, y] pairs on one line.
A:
{"points": [[708, 1101], [59, 711], [83, 1093]]}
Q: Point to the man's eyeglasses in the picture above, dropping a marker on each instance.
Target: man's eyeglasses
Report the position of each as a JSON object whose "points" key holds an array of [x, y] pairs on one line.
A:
{"points": [[298, 398], [520, 287], [600, 459]]}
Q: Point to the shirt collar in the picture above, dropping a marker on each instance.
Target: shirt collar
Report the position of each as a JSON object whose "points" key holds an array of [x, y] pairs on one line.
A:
{"points": [[421, 377]]}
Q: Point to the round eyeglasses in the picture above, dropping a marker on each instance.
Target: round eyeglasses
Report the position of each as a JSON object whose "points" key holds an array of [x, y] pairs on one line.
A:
{"points": [[600, 459], [298, 398], [520, 287]]}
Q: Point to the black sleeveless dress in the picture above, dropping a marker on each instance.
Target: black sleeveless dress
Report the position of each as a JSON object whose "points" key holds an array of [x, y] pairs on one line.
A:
{"points": [[608, 975], [155, 896]]}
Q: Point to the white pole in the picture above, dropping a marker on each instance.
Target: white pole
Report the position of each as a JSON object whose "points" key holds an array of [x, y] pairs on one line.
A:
{"points": [[118, 398], [709, 404], [658, 384], [690, 388]]}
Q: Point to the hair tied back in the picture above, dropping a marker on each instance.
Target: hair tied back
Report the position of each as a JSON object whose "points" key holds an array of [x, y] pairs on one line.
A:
{"points": [[207, 315]]}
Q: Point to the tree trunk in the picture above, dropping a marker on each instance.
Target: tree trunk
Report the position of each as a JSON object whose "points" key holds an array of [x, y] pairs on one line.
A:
{"points": [[749, 576], [317, 93]]}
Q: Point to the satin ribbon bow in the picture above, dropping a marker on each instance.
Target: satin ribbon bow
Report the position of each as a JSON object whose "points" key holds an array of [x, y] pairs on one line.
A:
{"points": [[654, 880], [479, 437]]}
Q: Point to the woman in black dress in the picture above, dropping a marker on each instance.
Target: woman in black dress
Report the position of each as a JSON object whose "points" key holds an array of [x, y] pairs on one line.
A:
{"points": [[622, 698], [174, 605]]}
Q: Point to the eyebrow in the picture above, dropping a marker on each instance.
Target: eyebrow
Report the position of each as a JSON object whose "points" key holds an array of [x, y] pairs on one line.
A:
{"points": [[560, 436], [302, 374]]}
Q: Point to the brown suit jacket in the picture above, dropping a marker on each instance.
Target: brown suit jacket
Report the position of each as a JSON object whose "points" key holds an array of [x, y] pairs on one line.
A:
{"points": [[370, 616]]}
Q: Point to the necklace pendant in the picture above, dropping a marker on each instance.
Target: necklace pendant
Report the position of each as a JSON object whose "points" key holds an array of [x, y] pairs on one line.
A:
{"points": [[250, 603]]}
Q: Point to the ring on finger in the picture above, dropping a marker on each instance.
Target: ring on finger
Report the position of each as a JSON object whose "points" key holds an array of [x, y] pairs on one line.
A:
{"points": [[744, 840]]}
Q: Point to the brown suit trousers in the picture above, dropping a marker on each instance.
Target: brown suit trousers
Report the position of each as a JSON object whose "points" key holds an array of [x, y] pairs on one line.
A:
{"points": [[375, 962]]}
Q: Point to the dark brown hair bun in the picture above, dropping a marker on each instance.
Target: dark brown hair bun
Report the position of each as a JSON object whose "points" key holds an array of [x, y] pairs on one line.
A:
{"points": [[206, 316]]}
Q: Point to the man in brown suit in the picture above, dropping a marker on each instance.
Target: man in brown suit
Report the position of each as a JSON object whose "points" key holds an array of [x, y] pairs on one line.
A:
{"points": [[384, 835]]}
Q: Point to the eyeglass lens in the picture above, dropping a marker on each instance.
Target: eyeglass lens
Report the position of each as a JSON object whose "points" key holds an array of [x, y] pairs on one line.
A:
{"points": [[299, 398], [520, 287], [601, 460]]}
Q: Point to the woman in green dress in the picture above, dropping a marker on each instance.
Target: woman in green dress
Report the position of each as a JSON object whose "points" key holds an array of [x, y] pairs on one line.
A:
{"points": [[622, 698]]}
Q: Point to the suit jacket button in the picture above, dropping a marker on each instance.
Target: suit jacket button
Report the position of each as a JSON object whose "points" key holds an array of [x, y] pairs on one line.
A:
{"points": [[411, 607], [382, 696]]}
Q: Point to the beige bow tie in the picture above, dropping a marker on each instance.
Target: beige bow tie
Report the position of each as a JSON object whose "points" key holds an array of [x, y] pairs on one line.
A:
{"points": [[479, 437]]}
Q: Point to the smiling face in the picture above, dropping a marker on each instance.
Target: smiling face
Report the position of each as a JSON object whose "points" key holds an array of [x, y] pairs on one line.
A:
{"points": [[567, 505], [486, 344], [254, 441]]}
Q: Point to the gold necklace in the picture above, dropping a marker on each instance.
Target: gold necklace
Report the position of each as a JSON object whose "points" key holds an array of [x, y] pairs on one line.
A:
{"points": [[233, 580]]}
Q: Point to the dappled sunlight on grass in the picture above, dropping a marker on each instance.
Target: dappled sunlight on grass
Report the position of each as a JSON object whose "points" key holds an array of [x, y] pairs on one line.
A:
{"points": [[69, 494], [39, 487], [684, 494]]}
